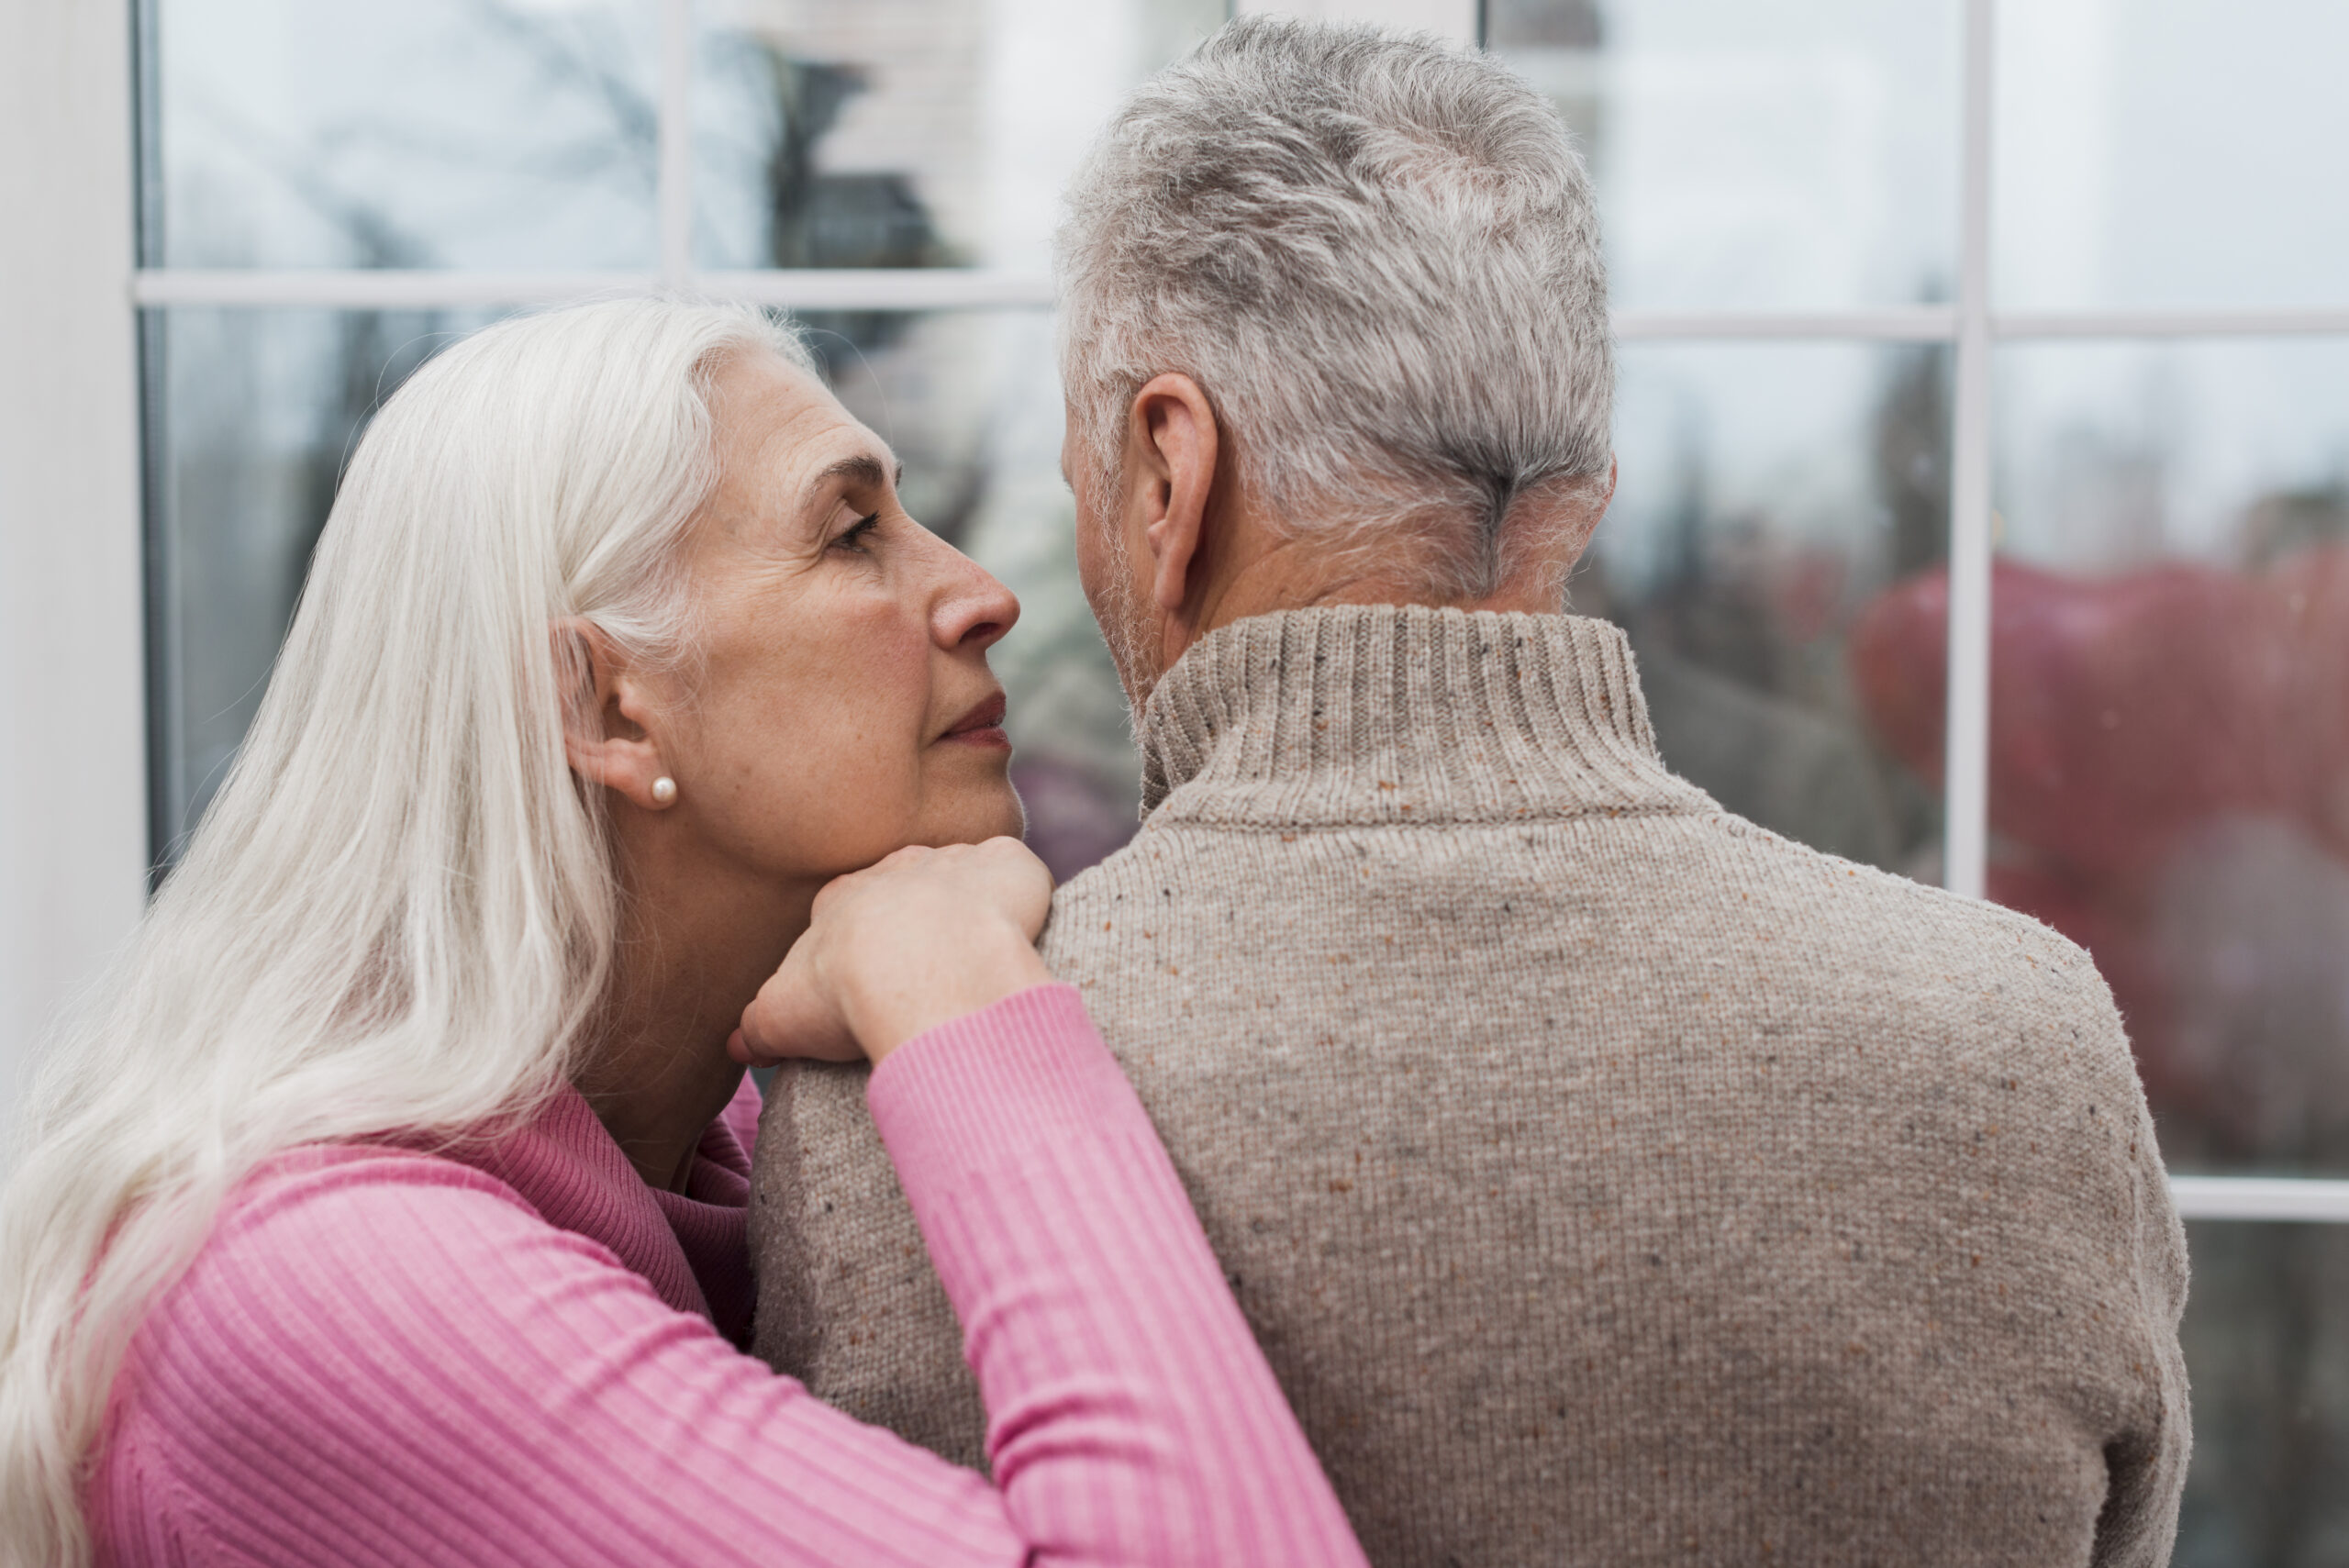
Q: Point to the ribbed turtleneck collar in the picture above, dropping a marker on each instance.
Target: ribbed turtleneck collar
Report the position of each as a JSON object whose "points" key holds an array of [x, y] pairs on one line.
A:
{"points": [[693, 1247], [1373, 715]]}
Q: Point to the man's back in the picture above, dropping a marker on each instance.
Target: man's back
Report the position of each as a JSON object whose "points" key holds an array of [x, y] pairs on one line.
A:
{"points": [[1607, 1179]]}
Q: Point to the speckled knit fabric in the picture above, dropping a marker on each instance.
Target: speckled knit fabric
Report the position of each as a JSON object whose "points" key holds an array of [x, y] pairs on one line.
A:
{"points": [[1608, 1181]]}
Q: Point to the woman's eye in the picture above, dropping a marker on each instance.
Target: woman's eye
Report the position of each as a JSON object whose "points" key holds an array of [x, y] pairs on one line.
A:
{"points": [[852, 537]]}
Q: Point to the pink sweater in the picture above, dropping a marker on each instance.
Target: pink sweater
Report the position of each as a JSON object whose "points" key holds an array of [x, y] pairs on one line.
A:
{"points": [[387, 1357]]}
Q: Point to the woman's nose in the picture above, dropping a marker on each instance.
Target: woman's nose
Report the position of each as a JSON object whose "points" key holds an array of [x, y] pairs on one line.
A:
{"points": [[973, 609]]}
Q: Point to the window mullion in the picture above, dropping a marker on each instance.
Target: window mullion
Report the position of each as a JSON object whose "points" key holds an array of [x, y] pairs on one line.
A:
{"points": [[1450, 18], [1966, 794], [2299, 1199], [675, 206]]}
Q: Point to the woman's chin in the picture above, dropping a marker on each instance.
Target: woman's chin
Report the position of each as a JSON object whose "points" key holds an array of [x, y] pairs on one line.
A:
{"points": [[980, 815], [1009, 818]]}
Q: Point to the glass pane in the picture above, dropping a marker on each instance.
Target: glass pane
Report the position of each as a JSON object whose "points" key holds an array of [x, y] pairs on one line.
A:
{"points": [[429, 133], [257, 409], [2169, 726], [2171, 153], [909, 133], [1767, 497], [2267, 1352], [1757, 154]]}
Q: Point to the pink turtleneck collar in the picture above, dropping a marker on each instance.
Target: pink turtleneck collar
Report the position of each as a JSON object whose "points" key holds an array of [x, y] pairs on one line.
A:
{"points": [[692, 1246]]}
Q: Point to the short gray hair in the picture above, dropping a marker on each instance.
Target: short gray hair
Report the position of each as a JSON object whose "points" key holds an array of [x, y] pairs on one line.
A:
{"points": [[1379, 255]]}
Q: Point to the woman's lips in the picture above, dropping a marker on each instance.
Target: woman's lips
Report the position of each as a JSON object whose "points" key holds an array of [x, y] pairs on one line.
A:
{"points": [[983, 725]]}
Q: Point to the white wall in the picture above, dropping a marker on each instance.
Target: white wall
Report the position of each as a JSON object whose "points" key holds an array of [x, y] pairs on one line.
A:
{"points": [[73, 779]]}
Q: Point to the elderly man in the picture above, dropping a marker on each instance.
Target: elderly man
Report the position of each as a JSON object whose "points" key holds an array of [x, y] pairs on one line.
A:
{"points": [[1609, 1180]]}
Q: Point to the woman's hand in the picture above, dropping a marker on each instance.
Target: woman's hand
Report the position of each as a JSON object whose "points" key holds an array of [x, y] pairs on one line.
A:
{"points": [[907, 944]]}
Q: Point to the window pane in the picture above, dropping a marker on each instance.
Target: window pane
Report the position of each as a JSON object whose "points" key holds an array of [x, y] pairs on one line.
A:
{"points": [[2172, 152], [2169, 726], [2267, 1352], [428, 133], [909, 133], [1758, 154], [255, 412], [1768, 495]]}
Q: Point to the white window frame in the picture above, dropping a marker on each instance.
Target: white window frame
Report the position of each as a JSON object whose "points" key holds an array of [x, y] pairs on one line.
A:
{"points": [[1969, 327], [73, 752]]}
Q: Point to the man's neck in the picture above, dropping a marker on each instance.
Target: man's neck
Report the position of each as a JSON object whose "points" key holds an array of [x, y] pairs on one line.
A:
{"points": [[1298, 574]]}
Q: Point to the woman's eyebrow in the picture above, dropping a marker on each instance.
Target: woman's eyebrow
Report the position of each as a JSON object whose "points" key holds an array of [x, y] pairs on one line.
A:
{"points": [[861, 468]]}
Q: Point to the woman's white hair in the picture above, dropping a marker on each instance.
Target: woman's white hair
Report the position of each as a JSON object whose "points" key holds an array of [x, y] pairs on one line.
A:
{"points": [[1379, 256], [400, 911]]}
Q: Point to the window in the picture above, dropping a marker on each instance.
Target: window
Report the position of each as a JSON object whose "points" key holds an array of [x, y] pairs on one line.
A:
{"points": [[1985, 514], [1984, 431], [327, 196]]}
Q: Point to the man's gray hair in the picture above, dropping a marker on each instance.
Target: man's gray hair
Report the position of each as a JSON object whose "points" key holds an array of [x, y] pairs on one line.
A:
{"points": [[1379, 255]]}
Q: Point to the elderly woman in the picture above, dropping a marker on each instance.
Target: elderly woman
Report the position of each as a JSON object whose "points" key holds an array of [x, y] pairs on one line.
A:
{"points": [[389, 1204]]}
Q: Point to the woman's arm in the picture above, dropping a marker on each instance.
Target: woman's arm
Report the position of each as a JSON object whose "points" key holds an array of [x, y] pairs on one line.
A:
{"points": [[1093, 1311], [1131, 1416], [383, 1357]]}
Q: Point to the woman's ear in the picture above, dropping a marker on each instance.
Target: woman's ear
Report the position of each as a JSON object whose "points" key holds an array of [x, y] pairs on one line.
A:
{"points": [[1172, 449], [607, 714]]}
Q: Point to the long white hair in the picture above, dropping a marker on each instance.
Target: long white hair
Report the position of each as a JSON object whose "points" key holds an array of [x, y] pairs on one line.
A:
{"points": [[399, 913]]}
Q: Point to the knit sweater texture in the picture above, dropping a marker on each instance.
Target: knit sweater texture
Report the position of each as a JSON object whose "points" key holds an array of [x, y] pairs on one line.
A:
{"points": [[1609, 1180], [521, 1355]]}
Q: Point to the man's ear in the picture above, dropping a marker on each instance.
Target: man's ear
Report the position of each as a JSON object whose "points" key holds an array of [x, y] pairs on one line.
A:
{"points": [[1172, 448], [605, 711]]}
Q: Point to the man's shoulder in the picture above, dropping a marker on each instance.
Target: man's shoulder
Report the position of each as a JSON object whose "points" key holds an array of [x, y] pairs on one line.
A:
{"points": [[1662, 894], [1690, 861], [1756, 861], [1834, 911]]}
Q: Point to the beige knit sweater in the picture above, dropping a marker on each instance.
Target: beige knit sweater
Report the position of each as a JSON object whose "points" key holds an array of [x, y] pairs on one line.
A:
{"points": [[1609, 1181]]}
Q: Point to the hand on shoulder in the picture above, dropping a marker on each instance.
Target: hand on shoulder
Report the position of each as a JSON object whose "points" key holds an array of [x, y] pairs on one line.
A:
{"points": [[919, 939]]}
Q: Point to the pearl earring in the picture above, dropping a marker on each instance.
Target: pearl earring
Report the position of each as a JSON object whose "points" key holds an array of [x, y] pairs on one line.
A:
{"points": [[664, 791]]}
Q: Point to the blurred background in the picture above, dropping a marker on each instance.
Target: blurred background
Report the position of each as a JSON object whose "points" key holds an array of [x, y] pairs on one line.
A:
{"points": [[2020, 332]]}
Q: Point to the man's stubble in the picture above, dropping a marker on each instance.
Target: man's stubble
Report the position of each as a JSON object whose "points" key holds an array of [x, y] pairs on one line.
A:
{"points": [[1125, 627]]}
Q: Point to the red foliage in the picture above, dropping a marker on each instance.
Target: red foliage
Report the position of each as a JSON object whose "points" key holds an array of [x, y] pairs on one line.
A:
{"points": [[2130, 716]]}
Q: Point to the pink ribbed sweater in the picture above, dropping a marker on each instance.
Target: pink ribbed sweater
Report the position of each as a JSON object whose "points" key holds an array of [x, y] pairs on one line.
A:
{"points": [[381, 1356]]}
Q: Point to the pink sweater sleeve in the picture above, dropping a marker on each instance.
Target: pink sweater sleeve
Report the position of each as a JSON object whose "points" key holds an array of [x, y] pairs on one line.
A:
{"points": [[384, 1358], [1093, 1311]]}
